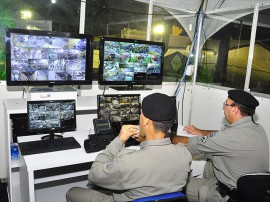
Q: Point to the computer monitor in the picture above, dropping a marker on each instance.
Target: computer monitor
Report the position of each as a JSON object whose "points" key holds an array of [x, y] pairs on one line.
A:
{"points": [[130, 62], [49, 116], [120, 109], [35, 58]]}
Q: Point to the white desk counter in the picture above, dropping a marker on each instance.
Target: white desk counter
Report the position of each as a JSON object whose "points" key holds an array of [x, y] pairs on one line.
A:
{"points": [[59, 158], [197, 165], [85, 106], [29, 164]]}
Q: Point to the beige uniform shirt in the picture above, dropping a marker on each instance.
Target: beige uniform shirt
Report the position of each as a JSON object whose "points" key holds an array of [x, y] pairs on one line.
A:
{"points": [[239, 148], [158, 167]]}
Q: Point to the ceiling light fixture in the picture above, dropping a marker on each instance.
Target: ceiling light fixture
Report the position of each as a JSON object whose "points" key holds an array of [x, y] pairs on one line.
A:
{"points": [[53, 1], [26, 15], [159, 29]]}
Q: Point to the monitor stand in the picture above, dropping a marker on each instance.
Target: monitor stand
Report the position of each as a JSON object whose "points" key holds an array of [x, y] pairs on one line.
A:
{"points": [[52, 93], [51, 136], [130, 87]]}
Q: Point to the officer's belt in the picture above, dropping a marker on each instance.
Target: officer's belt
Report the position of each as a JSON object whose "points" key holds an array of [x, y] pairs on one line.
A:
{"points": [[224, 190]]}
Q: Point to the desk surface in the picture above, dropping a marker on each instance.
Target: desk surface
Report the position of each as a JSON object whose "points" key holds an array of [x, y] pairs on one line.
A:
{"points": [[60, 158], [65, 157], [181, 132]]}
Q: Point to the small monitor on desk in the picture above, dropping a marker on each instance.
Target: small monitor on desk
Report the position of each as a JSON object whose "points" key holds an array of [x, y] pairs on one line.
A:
{"points": [[51, 116], [119, 108]]}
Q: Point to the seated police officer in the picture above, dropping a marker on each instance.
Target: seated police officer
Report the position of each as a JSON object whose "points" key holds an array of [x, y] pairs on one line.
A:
{"points": [[158, 167], [240, 148]]}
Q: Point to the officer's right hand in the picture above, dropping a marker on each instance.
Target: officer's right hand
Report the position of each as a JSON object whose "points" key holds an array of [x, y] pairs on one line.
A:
{"points": [[190, 129]]}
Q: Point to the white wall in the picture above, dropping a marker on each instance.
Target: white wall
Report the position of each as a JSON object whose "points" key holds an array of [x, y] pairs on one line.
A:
{"points": [[207, 110], [206, 106]]}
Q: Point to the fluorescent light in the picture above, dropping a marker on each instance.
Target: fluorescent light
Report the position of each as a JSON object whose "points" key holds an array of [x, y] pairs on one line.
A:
{"points": [[53, 1], [26, 15], [159, 29]]}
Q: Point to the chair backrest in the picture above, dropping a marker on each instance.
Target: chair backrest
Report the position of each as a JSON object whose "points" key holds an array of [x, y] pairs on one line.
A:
{"points": [[254, 187], [174, 196]]}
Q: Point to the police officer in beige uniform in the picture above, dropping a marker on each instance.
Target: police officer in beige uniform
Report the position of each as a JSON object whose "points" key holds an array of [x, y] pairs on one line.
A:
{"points": [[158, 167], [241, 147]]}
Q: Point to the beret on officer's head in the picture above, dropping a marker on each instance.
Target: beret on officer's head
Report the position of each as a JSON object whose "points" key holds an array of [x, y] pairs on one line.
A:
{"points": [[159, 107], [244, 98]]}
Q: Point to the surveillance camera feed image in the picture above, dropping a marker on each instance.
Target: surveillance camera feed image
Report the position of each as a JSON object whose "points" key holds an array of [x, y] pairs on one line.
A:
{"points": [[119, 108], [47, 58], [124, 61], [46, 115]]}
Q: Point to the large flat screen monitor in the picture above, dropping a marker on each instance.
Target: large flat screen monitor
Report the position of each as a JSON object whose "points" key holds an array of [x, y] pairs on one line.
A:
{"points": [[130, 62], [49, 116], [119, 108], [48, 58]]}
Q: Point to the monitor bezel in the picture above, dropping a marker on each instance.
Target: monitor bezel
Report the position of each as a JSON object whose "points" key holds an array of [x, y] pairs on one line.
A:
{"points": [[101, 80], [89, 58], [118, 95], [47, 130]]}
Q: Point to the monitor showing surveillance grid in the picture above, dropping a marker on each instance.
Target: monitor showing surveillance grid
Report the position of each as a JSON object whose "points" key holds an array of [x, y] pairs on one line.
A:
{"points": [[122, 108], [47, 115], [48, 58], [130, 62]]}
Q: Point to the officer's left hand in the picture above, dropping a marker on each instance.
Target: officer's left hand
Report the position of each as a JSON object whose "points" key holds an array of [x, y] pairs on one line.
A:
{"points": [[127, 131]]}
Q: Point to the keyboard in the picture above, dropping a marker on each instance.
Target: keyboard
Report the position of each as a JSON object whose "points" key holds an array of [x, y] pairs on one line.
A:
{"points": [[96, 142], [131, 142], [43, 146]]}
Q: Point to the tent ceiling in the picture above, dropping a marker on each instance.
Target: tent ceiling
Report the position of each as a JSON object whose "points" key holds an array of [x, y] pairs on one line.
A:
{"points": [[218, 13], [212, 5]]}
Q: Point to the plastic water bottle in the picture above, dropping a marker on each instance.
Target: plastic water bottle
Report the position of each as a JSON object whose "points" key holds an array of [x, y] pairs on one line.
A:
{"points": [[14, 151]]}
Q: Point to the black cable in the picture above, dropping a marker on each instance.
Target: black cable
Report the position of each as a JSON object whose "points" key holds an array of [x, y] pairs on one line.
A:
{"points": [[23, 93], [104, 90], [193, 41], [185, 84]]}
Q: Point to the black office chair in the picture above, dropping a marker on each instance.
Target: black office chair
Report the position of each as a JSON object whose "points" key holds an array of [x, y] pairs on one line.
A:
{"points": [[254, 187]]}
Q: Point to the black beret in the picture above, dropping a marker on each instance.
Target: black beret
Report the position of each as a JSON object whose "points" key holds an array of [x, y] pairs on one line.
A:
{"points": [[159, 107], [243, 98]]}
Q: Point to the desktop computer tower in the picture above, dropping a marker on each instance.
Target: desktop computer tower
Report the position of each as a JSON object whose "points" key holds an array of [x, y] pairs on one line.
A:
{"points": [[19, 126]]}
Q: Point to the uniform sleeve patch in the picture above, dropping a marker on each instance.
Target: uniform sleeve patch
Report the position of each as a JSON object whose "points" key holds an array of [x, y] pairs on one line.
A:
{"points": [[203, 139]]}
